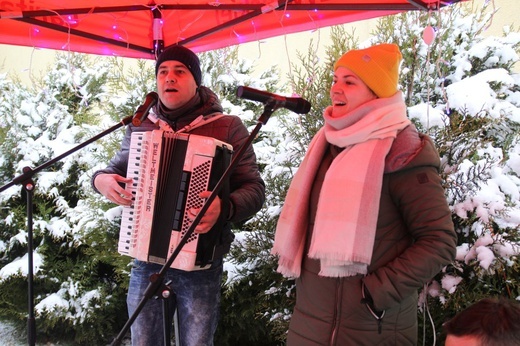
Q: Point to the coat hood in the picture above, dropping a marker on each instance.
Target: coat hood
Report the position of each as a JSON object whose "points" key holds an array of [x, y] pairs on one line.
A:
{"points": [[411, 149]]}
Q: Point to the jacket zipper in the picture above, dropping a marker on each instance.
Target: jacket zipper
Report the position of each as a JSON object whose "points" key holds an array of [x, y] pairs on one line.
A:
{"points": [[335, 322]]}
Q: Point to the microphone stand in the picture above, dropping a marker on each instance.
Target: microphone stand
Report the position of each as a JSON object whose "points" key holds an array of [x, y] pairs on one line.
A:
{"points": [[28, 184], [156, 279]]}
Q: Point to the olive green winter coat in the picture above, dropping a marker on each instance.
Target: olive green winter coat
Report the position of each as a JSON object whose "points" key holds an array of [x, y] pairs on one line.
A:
{"points": [[415, 239]]}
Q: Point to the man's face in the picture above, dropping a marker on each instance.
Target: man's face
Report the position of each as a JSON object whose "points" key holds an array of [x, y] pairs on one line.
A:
{"points": [[175, 84]]}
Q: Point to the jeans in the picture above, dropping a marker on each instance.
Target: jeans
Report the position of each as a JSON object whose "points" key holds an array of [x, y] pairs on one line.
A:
{"points": [[196, 297]]}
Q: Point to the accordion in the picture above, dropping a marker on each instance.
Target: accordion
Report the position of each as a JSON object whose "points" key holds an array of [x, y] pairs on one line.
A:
{"points": [[169, 170]]}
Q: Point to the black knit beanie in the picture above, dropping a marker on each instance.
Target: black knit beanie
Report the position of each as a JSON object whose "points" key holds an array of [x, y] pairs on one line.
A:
{"points": [[184, 55]]}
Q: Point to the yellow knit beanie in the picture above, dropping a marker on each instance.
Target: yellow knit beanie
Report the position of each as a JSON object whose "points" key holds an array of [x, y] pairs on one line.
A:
{"points": [[376, 66]]}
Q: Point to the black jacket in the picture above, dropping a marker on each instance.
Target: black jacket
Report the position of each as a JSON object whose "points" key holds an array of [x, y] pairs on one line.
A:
{"points": [[247, 189]]}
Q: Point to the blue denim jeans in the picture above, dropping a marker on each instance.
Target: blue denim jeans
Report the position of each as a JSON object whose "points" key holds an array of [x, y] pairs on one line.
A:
{"points": [[196, 297]]}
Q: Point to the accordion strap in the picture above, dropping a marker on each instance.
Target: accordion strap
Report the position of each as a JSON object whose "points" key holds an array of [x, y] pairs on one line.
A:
{"points": [[199, 121]]}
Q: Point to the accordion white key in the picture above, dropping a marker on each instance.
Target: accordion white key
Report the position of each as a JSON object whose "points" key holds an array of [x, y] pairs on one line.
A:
{"points": [[169, 170]]}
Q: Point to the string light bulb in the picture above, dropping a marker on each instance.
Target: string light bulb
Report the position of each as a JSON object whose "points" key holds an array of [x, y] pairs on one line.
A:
{"points": [[429, 34]]}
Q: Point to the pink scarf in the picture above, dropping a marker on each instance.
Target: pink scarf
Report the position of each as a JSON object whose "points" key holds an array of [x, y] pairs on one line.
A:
{"points": [[348, 206]]}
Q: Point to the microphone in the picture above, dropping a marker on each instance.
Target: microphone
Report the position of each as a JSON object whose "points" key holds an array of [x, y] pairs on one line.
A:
{"points": [[295, 104], [142, 111]]}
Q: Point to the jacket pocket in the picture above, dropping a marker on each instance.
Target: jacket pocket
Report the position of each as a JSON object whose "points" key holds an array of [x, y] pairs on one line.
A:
{"points": [[369, 303]]}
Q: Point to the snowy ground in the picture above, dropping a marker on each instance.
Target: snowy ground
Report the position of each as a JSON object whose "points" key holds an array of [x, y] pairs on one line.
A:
{"points": [[10, 337]]}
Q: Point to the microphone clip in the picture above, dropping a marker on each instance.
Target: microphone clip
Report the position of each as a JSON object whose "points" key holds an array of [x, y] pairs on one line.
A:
{"points": [[142, 111]]}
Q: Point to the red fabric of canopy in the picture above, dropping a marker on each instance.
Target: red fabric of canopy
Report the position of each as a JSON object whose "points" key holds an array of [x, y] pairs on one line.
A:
{"points": [[138, 28]]}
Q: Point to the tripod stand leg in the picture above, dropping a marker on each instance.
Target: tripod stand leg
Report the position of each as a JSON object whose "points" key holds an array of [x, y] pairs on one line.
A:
{"points": [[166, 294], [176, 328], [166, 322]]}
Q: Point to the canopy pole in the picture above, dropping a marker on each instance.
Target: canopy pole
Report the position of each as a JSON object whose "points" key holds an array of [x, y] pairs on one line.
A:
{"points": [[158, 41]]}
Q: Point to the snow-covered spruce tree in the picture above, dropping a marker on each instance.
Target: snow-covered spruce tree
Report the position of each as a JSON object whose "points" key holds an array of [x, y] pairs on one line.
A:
{"points": [[251, 268], [477, 138], [247, 276], [254, 276], [222, 72], [81, 280], [463, 92], [41, 124]]}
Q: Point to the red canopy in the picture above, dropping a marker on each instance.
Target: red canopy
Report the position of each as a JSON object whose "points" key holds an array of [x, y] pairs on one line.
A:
{"points": [[139, 28]]}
